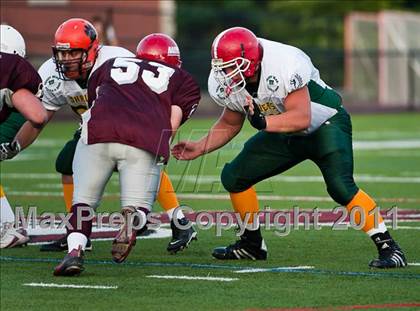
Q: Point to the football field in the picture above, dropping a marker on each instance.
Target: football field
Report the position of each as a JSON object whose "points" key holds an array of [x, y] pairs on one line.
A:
{"points": [[306, 269]]}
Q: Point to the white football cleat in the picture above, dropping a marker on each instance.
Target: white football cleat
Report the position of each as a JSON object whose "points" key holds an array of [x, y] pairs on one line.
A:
{"points": [[12, 237]]}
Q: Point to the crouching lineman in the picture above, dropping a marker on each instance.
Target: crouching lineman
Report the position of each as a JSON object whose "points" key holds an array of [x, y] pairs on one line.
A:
{"points": [[298, 117], [65, 78], [136, 105], [19, 83]]}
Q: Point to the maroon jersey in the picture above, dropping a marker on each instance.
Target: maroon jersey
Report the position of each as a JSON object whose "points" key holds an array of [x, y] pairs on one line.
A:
{"points": [[131, 101], [16, 73]]}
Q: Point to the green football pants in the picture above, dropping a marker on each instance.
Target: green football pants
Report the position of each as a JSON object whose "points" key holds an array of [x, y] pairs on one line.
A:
{"points": [[269, 154], [64, 161], [10, 127]]}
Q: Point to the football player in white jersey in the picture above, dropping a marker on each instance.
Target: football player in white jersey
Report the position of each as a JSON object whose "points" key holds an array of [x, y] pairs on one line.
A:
{"points": [[298, 117], [76, 54]]}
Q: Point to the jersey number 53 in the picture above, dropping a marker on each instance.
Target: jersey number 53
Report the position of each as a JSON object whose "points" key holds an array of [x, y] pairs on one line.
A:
{"points": [[157, 84]]}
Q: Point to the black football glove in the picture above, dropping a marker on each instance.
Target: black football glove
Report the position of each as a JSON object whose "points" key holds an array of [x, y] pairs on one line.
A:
{"points": [[257, 120], [9, 150]]}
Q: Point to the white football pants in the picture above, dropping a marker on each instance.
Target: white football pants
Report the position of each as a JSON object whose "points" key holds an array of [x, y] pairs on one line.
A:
{"points": [[93, 166]]}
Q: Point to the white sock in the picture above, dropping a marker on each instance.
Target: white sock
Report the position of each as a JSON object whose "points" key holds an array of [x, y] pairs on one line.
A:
{"points": [[6, 212], [381, 229], [179, 214], [76, 239]]}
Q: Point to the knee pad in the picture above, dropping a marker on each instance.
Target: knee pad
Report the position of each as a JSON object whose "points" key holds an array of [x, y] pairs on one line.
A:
{"points": [[342, 192], [64, 162], [230, 180]]}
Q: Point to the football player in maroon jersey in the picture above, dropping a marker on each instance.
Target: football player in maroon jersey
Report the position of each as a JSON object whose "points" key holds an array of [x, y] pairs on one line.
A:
{"points": [[136, 106], [76, 52], [19, 84]]}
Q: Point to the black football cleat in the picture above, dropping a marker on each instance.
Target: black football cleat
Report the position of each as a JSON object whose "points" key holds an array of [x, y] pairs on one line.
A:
{"points": [[242, 249], [61, 246], [181, 238], [390, 256], [71, 265]]}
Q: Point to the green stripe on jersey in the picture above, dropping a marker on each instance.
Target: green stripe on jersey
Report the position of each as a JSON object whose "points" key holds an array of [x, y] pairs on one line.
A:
{"points": [[324, 96]]}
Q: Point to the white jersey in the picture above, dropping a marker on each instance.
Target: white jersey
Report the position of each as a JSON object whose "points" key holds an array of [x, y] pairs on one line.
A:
{"points": [[58, 93], [284, 69]]}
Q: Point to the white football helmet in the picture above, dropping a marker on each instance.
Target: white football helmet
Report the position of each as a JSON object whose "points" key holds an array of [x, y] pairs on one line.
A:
{"points": [[12, 41]]}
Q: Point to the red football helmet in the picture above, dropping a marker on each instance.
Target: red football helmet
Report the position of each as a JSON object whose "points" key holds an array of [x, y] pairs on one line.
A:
{"points": [[75, 47], [236, 48], [160, 47]]}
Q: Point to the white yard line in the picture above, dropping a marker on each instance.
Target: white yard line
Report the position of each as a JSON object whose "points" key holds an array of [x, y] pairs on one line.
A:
{"points": [[49, 186], [197, 196], [186, 277], [386, 134], [209, 179], [406, 227], [31, 176], [69, 285], [397, 144], [256, 270], [386, 144], [414, 264], [402, 143], [34, 193]]}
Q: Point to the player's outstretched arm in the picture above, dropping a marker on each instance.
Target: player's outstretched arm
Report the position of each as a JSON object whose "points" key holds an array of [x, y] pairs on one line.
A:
{"points": [[227, 127], [28, 132]]}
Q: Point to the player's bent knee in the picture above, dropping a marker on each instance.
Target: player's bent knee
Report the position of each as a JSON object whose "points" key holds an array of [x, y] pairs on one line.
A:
{"points": [[87, 200], [230, 180], [64, 161], [63, 164], [341, 192], [145, 204]]}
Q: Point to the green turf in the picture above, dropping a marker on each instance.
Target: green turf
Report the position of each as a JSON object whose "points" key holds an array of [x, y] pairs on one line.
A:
{"points": [[40, 158], [326, 250], [330, 252]]}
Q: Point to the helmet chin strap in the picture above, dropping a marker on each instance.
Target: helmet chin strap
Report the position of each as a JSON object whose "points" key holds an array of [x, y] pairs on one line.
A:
{"points": [[82, 71]]}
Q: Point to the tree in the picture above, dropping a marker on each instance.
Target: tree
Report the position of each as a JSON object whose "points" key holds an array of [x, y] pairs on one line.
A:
{"points": [[315, 26]]}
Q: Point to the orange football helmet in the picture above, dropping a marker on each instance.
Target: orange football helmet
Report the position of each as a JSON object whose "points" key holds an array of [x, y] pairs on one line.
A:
{"points": [[75, 47]]}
